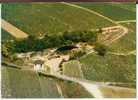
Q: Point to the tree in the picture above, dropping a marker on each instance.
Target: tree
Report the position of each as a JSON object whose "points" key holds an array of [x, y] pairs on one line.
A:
{"points": [[101, 49], [77, 54], [80, 36], [5, 51], [7, 48]]}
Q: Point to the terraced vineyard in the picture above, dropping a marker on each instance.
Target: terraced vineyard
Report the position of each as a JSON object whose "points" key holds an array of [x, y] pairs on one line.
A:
{"points": [[50, 20], [31, 85], [110, 68]]}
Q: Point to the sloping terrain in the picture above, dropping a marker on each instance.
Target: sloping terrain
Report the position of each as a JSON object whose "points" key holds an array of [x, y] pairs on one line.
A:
{"points": [[126, 43], [113, 12], [73, 69], [18, 83], [50, 18], [117, 65]]}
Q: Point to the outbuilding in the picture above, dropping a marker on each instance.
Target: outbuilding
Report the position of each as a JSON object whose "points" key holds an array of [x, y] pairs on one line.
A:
{"points": [[38, 65]]}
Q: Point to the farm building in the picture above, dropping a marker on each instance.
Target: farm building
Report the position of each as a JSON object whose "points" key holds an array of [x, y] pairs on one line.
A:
{"points": [[64, 48], [38, 65]]}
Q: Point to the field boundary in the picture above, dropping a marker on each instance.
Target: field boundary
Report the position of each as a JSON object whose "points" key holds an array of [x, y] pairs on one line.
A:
{"points": [[90, 11], [133, 52], [13, 30], [126, 21]]}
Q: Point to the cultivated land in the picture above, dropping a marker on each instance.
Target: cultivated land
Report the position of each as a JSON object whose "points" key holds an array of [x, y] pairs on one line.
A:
{"points": [[115, 13], [51, 18], [31, 85], [112, 68], [73, 69], [116, 67]]}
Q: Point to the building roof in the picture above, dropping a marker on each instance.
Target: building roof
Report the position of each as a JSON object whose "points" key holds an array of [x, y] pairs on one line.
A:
{"points": [[38, 62], [68, 47]]}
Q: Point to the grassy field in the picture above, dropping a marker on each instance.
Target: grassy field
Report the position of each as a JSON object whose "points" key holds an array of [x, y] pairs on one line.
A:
{"points": [[109, 68], [23, 84], [40, 18], [126, 43], [112, 11], [27, 84], [113, 67], [72, 69]]}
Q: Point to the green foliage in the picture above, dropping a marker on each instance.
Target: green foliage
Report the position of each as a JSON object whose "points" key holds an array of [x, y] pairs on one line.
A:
{"points": [[6, 36], [77, 54], [27, 84], [13, 57], [45, 18], [7, 48], [5, 51], [101, 49], [32, 43], [80, 36]]}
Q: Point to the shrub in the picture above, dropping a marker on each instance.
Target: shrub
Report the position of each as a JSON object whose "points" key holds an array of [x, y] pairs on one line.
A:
{"points": [[32, 43], [101, 49], [80, 36], [77, 54]]}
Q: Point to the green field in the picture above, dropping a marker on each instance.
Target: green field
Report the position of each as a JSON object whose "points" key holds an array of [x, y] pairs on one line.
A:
{"points": [[110, 68], [27, 84], [72, 69], [55, 18], [112, 11], [52, 18]]}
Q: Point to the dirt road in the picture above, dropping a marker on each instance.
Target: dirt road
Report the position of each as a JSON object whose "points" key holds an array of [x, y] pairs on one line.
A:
{"points": [[124, 54], [127, 21], [14, 31], [99, 89]]}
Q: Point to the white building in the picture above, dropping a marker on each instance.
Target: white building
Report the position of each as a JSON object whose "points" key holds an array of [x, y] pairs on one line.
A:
{"points": [[38, 65]]}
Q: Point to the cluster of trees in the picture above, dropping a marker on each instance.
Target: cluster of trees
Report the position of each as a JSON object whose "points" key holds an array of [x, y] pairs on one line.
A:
{"points": [[83, 36], [33, 43], [101, 49], [7, 48]]}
